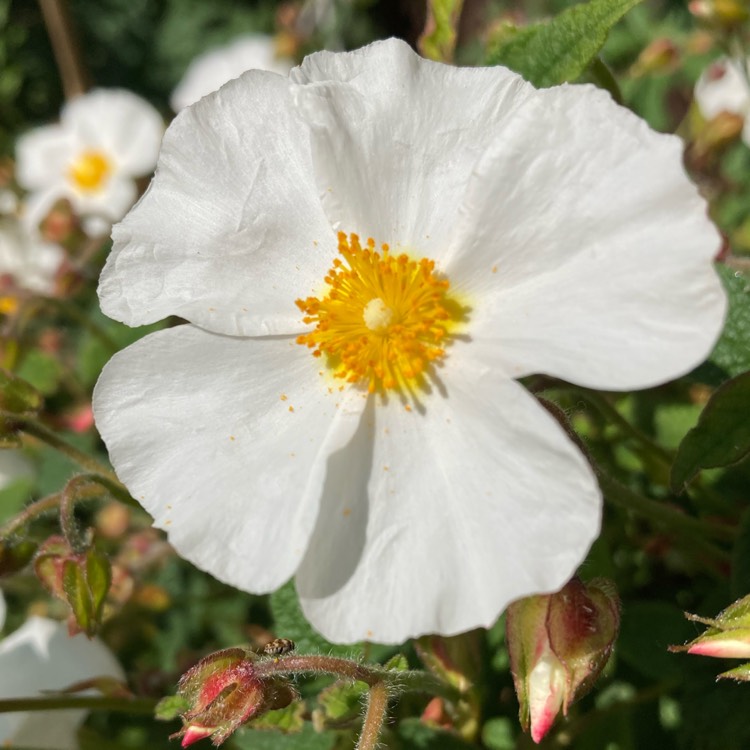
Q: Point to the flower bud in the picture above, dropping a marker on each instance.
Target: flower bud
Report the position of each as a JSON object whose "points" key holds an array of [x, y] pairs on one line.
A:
{"points": [[728, 636], [224, 691], [661, 56], [727, 13], [559, 644]]}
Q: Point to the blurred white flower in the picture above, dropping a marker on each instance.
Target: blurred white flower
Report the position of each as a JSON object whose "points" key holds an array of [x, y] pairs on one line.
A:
{"points": [[13, 465], [404, 475], [724, 87], [211, 70], [39, 657], [105, 139], [26, 263]]}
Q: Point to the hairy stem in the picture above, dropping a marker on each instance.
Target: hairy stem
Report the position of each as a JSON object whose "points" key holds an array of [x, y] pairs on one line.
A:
{"points": [[377, 712], [89, 703]]}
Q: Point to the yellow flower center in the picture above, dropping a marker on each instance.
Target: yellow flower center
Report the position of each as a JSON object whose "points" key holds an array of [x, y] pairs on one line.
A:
{"points": [[8, 304], [385, 320], [90, 171]]}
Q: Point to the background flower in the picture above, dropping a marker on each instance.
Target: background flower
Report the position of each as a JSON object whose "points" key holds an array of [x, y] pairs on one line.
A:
{"points": [[105, 139], [724, 87], [214, 68], [39, 657], [26, 262], [397, 522]]}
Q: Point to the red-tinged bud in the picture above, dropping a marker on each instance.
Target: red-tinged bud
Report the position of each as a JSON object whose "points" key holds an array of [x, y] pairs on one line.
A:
{"points": [[723, 13], [223, 692], [727, 637], [661, 56], [559, 644]]}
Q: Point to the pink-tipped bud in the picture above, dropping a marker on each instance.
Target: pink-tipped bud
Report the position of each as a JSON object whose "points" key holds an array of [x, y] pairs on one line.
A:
{"points": [[559, 644], [223, 691], [727, 637]]}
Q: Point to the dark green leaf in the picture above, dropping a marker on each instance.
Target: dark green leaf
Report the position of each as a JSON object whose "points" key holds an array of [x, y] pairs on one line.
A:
{"points": [[419, 736], [722, 435], [552, 52], [732, 352], [307, 739], [741, 559], [291, 623]]}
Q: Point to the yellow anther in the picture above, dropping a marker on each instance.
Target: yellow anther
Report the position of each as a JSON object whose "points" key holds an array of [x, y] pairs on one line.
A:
{"points": [[384, 320], [90, 171]]}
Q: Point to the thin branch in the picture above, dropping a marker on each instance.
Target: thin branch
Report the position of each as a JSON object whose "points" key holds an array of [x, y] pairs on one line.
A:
{"points": [[67, 52]]}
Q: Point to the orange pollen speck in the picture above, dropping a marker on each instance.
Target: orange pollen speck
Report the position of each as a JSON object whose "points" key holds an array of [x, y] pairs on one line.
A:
{"points": [[90, 171], [385, 320]]}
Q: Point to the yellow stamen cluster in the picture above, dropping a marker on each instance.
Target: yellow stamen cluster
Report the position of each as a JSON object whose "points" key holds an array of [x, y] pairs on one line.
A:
{"points": [[385, 319], [90, 171]]}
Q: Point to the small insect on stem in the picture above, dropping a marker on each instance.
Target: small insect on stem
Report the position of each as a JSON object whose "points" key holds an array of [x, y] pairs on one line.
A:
{"points": [[279, 646]]}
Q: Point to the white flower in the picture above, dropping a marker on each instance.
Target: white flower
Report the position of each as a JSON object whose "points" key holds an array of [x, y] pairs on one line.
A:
{"points": [[572, 243], [105, 139], [724, 87], [26, 262], [13, 466], [211, 70], [39, 657]]}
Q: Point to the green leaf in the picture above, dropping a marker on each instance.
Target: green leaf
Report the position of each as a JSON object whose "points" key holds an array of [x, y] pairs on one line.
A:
{"points": [[77, 595], [722, 435], [397, 663], [288, 719], [419, 736], [18, 396], [732, 351], [307, 739], [552, 52], [291, 623], [170, 707], [341, 701], [740, 581], [41, 370], [98, 580], [646, 630], [438, 40]]}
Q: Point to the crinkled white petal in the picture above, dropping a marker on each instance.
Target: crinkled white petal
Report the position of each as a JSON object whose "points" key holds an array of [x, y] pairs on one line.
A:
{"points": [[43, 157], [584, 250], [40, 656], [230, 231], [211, 70], [31, 262], [395, 138], [125, 127], [722, 87], [224, 441], [434, 522]]}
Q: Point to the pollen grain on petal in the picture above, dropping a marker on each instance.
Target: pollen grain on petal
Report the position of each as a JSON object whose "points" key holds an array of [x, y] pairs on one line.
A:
{"points": [[385, 320]]}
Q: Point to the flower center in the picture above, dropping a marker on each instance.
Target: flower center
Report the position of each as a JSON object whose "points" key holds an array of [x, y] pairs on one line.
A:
{"points": [[90, 171], [385, 318]]}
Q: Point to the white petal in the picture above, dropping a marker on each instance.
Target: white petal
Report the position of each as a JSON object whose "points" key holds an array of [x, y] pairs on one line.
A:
{"points": [[230, 231], [13, 465], [722, 87], [43, 156], [33, 265], [435, 522], [395, 137], [119, 123], [210, 71], [584, 250], [224, 441], [40, 656]]}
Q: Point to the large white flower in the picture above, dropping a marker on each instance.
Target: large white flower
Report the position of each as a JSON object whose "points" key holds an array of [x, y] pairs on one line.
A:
{"points": [[725, 87], [105, 139], [566, 239], [214, 68], [39, 657], [26, 262]]}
